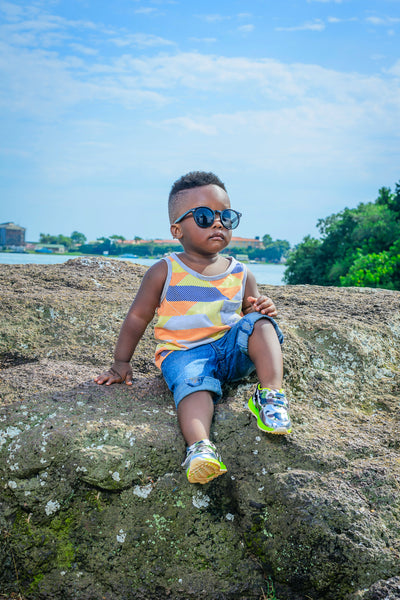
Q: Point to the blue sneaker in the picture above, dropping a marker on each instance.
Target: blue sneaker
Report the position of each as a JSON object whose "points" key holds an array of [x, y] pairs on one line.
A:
{"points": [[271, 409], [202, 462]]}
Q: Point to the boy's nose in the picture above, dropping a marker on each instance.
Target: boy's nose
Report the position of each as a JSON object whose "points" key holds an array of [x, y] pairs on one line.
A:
{"points": [[217, 219]]}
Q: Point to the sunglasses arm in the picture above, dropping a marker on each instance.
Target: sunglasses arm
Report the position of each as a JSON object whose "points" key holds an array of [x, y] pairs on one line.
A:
{"points": [[179, 219]]}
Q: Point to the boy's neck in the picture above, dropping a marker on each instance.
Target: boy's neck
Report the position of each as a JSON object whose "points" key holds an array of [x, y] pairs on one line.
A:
{"points": [[205, 264]]}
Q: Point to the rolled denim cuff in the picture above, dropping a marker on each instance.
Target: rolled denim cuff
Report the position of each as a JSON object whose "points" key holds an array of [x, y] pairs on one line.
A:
{"points": [[246, 327], [197, 384]]}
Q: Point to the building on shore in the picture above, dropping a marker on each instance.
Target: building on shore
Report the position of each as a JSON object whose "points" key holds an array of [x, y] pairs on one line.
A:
{"points": [[12, 237], [240, 242]]}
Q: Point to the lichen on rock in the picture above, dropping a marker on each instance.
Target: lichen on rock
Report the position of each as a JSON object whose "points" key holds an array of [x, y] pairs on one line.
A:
{"points": [[94, 502]]}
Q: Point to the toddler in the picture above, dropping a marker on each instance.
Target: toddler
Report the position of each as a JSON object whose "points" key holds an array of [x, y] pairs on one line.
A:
{"points": [[213, 325]]}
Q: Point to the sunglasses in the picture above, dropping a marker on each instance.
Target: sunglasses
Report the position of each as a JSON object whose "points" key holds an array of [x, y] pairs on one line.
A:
{"points": [[204, 217]]}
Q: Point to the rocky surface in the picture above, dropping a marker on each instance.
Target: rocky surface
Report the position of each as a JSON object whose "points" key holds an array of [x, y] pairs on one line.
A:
{"points": [[94, 503]]}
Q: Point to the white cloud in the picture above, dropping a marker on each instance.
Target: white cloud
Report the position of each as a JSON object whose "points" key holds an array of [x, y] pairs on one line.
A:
{"points": [[385, 21], [27, 27], [189, 124], [214, 18], [209, 40], [246, 28], [80, 48], [11, 11], [394, 70], [316, 132], [316, 25], [42, 84], [313, 109], [147, 10], [142, 40], [40, 81]]}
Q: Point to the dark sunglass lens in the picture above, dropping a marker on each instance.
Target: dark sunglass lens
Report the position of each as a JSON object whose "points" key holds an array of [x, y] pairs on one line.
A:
{"points": [[204, 217], [230, 219]]}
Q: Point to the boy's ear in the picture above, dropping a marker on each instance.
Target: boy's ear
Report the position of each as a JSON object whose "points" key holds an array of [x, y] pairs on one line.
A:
{"points": [[176, 231]]}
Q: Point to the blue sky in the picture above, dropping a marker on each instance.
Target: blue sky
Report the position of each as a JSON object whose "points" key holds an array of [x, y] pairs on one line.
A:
{"points": [[294, 104]]}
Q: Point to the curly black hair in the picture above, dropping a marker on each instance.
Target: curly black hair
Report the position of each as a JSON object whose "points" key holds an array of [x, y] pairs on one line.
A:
{"points": [[189, 181]]}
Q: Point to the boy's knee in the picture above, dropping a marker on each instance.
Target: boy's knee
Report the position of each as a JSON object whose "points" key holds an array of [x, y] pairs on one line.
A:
{"points": [[260, 326], [266, 326], [262, 323]]}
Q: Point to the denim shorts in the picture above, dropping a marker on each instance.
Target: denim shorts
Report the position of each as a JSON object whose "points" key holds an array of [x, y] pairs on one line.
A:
{"points": [[210, 365]]}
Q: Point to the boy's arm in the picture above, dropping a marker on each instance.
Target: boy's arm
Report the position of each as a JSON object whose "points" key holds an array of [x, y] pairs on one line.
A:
{"points": [[254, 302], [139, 316]]}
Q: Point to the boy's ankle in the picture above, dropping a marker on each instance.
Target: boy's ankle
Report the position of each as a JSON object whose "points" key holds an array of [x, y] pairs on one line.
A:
{"points": [[193, 444]]}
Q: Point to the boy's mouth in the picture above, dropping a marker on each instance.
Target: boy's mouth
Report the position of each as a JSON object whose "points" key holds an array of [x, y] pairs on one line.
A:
{"points": [[218, 236]]}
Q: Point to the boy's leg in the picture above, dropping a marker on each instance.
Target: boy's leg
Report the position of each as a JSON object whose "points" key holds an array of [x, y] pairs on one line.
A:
{"points": [[268, 404], [265, 352], [202, 462], [195, 413], [190, 375]]}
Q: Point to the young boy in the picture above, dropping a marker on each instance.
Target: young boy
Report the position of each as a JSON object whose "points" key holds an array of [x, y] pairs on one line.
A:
{"points": [[213, 325]]}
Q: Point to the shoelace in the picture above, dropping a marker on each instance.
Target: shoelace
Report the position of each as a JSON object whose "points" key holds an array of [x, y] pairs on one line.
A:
{"points": [[274, 398]]}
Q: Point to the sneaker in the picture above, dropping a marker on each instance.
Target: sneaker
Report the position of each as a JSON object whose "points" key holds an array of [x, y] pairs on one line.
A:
{"points": [[203, 462], [270, 407]]}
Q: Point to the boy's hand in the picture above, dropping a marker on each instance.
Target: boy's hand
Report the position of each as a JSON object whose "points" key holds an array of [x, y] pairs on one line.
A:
{"points": [[263, 305], [118, 373]]}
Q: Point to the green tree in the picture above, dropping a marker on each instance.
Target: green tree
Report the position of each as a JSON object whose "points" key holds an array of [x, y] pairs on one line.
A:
{"points": [[395, 205], [276, 251], [354, 245], [78, 238], [303, 264], [63, 240], [267, 240], [46, 238], [373, 270]]}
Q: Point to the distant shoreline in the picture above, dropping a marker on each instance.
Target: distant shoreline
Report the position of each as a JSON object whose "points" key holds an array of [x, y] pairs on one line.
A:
{"points": [[119, 256]]}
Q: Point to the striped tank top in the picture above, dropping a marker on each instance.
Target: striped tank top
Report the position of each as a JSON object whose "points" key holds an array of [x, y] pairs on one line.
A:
{"points": [[197, 309]]}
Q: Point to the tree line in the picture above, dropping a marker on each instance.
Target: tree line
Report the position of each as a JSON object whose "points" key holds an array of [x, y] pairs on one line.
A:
{"points": [[358, 247], [272, 251]]}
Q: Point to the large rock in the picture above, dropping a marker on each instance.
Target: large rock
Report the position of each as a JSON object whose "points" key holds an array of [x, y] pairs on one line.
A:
{"points": [[94, 503]]}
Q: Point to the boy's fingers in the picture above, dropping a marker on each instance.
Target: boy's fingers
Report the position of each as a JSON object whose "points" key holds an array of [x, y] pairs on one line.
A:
{"points": [[114, 379], [128, 379], [108, 377]]}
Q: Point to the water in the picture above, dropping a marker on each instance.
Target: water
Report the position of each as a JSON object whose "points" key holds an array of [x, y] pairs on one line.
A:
{"points": [[264, 273]]}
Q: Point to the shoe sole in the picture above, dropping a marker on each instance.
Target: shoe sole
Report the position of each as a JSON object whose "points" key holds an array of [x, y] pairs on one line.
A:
{"points": [[255, 412], [204, 470]]}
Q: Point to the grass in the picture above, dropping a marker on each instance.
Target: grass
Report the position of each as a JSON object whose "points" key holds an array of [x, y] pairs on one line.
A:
{"points": [[269, 594]]}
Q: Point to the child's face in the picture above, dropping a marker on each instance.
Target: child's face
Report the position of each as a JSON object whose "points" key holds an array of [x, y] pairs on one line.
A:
{"points": [[192, 237]]}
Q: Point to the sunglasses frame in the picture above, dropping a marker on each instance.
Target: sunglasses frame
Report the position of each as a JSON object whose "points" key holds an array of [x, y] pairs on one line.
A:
{"points": [[215, 212]]}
